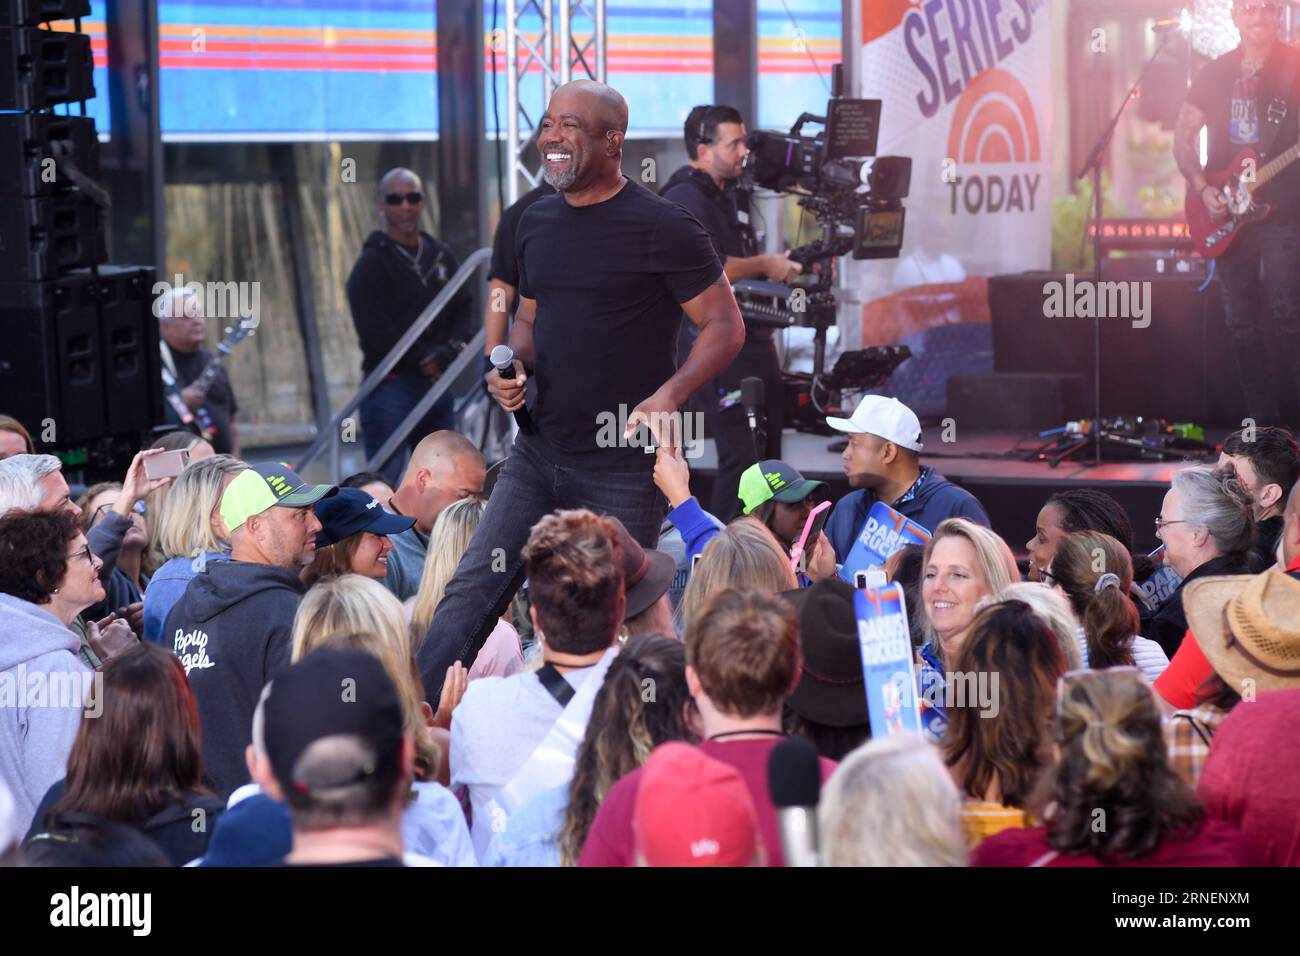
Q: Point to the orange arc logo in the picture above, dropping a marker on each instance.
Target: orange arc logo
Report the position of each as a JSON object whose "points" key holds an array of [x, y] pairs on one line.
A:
{"points": [[880, 17], [994, 122]]}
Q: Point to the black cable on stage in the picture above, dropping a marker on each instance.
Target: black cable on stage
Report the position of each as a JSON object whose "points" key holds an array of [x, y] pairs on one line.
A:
{"points": [[806, 48], [496, 116]]}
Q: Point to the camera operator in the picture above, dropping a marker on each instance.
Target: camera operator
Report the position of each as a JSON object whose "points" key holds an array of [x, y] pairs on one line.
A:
{"points": [[707, 188]]}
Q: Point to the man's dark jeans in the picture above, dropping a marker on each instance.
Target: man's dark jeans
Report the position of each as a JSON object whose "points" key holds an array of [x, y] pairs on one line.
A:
{"points": [[385, 408], [492, 569], [1261, 286]]}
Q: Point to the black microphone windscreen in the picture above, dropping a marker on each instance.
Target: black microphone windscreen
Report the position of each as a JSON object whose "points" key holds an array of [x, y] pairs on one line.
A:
{"points": [[751, 391], [794, 774]]}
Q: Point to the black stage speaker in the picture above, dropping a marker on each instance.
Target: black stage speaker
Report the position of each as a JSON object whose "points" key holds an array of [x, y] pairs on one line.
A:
{"points": [[34, 145], [30, 13], [1180, 367], [50, 358], [1017, 400], [41, 237], [39, 68], [132, 364], [81, 352]]}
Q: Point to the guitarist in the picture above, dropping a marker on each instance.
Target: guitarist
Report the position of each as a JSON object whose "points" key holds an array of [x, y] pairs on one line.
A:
{"points": [[181, 327], [1250, 98]]}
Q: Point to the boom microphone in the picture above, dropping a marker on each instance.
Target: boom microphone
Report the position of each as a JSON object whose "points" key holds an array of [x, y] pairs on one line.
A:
{"points": [[794, 781], [752, 397], [503, 360]]}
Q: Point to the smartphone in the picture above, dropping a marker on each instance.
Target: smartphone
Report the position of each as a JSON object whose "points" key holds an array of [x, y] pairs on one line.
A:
{"points": [[869, 578], [167, 465], [811, 529]]}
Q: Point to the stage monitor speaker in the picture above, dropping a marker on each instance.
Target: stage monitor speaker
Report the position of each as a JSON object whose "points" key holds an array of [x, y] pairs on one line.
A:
{"points": [[1179, 367], [1016, 400], [129, 336], [30, 142], [30, 13], [40, 68], [43, 237], [50, 359]]}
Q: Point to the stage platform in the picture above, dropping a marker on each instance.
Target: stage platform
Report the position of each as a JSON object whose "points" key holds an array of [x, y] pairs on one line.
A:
{"points": [[1011, 490]]}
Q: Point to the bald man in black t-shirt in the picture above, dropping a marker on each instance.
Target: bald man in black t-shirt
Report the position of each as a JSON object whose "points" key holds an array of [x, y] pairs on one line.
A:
{"points": [[606, 270]]}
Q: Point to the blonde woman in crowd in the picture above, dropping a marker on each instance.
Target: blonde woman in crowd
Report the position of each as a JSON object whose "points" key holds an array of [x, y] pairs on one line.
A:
{"points": [[351, 611], [891, 802], [502, 654], [963, 564], [745, 556], [188, 532]]}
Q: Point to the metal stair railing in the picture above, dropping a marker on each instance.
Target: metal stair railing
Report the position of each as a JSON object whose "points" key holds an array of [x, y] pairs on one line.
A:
{"points": [[330, 438]]}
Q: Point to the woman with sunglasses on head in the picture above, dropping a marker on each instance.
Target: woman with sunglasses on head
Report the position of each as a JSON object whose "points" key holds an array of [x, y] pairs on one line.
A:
{"points": [[128, 580], [1111, 798], [48, 576], [400, 271]]}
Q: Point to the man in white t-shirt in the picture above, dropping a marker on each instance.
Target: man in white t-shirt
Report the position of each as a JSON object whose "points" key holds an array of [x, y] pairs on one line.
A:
{"points": [[575, 588]]}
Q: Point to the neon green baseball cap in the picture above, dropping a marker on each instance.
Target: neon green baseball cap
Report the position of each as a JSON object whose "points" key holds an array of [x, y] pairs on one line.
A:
{"points": [[266, 485], [774, 479]]}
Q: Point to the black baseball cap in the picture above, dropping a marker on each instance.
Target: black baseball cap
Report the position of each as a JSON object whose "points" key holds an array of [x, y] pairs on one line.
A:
{"points": [[351, 511], [331, 693]]}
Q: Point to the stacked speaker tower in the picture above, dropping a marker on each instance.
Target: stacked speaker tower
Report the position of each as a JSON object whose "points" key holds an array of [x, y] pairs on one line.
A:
{"points": [[79, 358]]}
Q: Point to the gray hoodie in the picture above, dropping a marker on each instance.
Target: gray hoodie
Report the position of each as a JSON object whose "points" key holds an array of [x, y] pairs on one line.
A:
{"points": [[43, 691]]}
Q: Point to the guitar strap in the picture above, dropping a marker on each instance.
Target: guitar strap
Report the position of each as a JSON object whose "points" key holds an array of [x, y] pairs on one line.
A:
{"points": [[1277, 110], [167, 359]]}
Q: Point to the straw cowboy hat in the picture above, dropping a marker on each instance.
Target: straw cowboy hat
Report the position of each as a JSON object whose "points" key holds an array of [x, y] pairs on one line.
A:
{"points": [[1248, 627]]}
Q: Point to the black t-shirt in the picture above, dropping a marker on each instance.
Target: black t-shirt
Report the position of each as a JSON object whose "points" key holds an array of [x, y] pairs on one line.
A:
{"points": [[504, 265], [609, 280], [724, 213], [1236, 115], [220, 401]]}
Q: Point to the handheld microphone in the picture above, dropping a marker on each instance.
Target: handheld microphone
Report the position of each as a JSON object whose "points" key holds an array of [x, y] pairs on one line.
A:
{"points": [[503, 360], [752, 397], [794, 782]]}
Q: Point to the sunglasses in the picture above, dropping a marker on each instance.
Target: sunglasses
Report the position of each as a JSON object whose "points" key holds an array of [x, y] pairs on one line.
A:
{"points": [[395, 199], [98, 513], [1269, 8]]}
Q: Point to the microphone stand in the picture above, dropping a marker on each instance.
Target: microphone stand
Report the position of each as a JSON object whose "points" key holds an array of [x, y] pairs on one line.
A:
{"points": [[1094, 163]]}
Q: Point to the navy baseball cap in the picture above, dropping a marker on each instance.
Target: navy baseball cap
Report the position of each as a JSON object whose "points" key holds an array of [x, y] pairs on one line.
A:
{"points": [[331, 693], [352, 510]]}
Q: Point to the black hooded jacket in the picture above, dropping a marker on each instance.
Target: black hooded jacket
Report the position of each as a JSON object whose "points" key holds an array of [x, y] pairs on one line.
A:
{"points": [[387, 292], [231, 629]]}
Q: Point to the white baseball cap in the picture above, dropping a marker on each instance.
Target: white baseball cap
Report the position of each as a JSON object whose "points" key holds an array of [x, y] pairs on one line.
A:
{"points": [[887, 418]]}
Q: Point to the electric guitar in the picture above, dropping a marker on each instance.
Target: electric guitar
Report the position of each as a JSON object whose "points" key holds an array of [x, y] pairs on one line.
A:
{"points": [[1237, 185], [200, 420]]}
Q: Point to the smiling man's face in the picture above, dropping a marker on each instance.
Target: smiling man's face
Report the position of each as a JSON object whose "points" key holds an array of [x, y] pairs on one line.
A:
{"points": [[580, 133]]}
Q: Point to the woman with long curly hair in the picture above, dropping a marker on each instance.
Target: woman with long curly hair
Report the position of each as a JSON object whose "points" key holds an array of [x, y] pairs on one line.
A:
{"points": [[643, 703]]}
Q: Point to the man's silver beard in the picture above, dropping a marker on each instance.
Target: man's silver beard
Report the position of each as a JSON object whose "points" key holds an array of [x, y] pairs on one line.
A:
{"points": [[562, 181]]}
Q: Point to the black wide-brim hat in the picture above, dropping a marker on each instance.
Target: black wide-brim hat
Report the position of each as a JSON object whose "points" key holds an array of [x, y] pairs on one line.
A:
{"points": [[831, 690]]}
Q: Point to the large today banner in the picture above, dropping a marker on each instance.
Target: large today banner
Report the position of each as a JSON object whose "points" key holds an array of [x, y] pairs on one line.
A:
{"points": [[966, 91]]}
